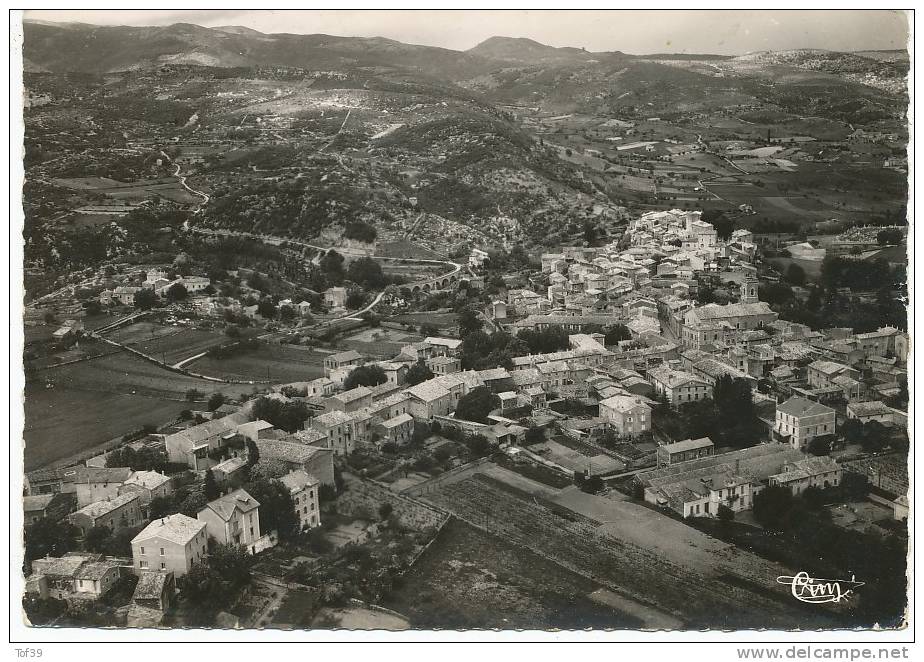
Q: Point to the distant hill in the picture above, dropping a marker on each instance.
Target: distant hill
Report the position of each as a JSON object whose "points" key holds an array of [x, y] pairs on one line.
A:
{"points": [[95, 49], [527, 51]]}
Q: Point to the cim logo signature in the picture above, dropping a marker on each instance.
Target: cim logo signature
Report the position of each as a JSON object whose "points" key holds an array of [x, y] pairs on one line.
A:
{"points": [[817, 591]]}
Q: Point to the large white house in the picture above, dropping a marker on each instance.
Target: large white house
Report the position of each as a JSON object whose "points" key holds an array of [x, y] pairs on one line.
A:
{"points": [[800, 420]]}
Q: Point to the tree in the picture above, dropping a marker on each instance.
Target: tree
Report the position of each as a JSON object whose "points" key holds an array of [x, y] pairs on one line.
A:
{"points": [[725, 513], [253, 453], [177, 292], [478, 445], [428, 330], [476, 405], [161, 506], [145, 299], [233, 331], [288, 416], [773, 506], [534, 435], [216, 400], [193, 503], [96, 538], [193, 395], [93, 308], [277, 509], [889, 236], [819, 445], [210, 488], [543, 341], [332, 264], [417, 373], [367, 272], [469, 322], [385, 510], [360, 231], [267, 309], [286, 313], [48, 538], [365, 375], [617, 333], [795, 274]]}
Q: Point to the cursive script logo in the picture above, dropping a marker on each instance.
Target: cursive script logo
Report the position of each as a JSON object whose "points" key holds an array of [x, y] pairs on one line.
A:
{"points": [[816, 591]]}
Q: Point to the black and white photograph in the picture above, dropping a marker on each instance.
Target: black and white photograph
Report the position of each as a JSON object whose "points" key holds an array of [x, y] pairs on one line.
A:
{"points": [[469, 321]]}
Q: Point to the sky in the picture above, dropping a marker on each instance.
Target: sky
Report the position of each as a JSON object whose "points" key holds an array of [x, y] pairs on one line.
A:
{"points": [[725, 32]]}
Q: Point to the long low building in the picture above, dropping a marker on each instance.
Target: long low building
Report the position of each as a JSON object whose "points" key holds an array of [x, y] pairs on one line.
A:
{"points": [[698, 488]]}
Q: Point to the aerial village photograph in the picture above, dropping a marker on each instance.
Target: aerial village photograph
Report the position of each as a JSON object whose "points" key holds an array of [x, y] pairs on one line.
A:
{"points": [[462, 321]]}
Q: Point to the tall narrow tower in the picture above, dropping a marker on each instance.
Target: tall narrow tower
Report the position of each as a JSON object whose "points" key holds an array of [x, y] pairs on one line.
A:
{"points": [[749, 290]]}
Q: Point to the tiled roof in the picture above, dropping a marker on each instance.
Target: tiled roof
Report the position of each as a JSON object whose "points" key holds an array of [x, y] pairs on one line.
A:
{"points": [[287, 451], [176, 528], [798, 406], [299, 480], [98, 509], [688, 445], [147, 479], [239, 499]]}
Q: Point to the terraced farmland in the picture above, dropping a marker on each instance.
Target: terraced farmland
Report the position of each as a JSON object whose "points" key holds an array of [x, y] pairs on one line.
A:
{"points": [[722, 586]]}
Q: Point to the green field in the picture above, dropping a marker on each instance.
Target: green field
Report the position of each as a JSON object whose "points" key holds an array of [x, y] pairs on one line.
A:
{"points": [[276, 363], [62, 422]]}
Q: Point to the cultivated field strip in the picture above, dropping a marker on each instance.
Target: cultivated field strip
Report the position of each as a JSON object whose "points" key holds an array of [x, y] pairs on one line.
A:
{"points": [[699, 597]]}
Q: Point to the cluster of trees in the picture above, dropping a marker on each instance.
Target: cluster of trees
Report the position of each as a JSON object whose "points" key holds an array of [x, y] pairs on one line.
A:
{"points": [[803, 536], [143, 459], [890, 236], [103, 540], [419, 372], [550, 339], [872, 436], [288, 416], [360, 232], [481, 351], [476, 405], [859, 274], [728, 418], [365, 375], [214, 584]]}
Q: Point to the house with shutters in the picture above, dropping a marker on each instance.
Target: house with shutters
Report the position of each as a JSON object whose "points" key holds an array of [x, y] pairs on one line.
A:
{"points": [[303, 488], [174, 543], [115, 513], [233, 519], [626, 415], [799, 420]]}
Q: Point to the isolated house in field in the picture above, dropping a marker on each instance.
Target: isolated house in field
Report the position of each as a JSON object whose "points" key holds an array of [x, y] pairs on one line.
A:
{"points": [[304, 488], [233, 519], [174, 543]]}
